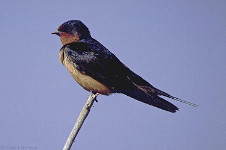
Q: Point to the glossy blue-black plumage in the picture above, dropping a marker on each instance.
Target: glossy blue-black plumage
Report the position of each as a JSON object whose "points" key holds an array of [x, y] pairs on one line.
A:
{"points": [[72, 26], [93, 59]]}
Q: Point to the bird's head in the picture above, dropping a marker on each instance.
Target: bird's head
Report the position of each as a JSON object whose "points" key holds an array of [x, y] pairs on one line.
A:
{"points": [[72, 31]]}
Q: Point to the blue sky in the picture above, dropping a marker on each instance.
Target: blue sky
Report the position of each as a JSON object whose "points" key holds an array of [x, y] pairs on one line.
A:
{"points": [[178, 46]]}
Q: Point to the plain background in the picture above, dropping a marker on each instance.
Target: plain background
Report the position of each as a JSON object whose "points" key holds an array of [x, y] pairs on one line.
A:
{"points": [[178, 46]]}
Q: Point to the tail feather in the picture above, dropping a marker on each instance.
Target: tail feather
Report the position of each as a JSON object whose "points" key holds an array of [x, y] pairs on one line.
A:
{"points": [[139, 89], [159, 92], [151, 99]]}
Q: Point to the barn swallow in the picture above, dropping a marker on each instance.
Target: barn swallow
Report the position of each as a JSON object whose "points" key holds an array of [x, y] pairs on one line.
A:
{"points": [[98, 70]]}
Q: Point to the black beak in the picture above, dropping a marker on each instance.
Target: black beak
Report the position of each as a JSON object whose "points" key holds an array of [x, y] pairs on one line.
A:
{"points": [[56, 32]]}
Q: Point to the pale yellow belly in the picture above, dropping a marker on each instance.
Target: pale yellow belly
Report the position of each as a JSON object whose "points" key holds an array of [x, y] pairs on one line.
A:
{"points": [[86, 81]]}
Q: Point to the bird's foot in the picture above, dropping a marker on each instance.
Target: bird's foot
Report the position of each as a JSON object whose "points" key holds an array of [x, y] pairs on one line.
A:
{"points": [[95, 99], [96, 94]]}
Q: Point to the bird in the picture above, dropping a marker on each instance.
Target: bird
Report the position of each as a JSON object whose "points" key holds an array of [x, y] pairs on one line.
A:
{"points": [[98, 70]]}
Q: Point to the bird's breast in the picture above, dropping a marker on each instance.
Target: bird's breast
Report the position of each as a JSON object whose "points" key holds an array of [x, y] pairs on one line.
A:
{"points": [[87, 82]]}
